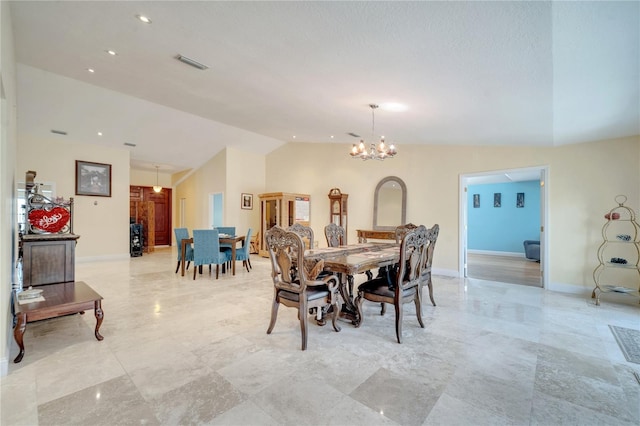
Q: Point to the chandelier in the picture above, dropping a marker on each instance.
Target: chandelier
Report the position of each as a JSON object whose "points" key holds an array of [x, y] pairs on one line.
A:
{"points": [[378, 151], [157, 187]]}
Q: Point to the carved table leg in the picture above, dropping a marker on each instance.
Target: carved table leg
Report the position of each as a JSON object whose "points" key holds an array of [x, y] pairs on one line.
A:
{"points": [[349, 310], [99, 316], [18, 333]]}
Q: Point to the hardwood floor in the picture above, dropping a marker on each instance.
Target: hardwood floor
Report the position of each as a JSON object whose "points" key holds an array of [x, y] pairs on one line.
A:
{"points": [[506, 269]]}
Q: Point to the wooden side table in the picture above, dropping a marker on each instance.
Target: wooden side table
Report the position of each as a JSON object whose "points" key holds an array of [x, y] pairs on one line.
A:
{"points": [[60, 299]]}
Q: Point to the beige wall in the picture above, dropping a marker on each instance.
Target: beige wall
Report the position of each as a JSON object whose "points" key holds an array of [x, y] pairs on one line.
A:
{"points": [[101, 222], [8, 148], [583, 181], [148, 178]]}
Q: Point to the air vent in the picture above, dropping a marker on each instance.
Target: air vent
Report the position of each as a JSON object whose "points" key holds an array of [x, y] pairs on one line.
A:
{"points": [[129, 144], [353, 134], [192, 62], [58, 132]]}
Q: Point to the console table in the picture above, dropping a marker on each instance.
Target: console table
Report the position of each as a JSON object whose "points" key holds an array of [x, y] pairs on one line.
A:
{"points": [[363, 234], [59, 300]]}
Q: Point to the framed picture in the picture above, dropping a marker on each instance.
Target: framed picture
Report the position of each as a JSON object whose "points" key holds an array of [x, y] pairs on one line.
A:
{"points": [[497, 199], [247, 201], [520, 199], [93, 179], [476, 201]]}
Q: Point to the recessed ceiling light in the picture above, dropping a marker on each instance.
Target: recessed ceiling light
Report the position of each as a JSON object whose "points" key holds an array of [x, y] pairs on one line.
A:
{"points": [[331, 136], [99, 133], [91, 70], [294, 136], [111, 52], [144, 19]]}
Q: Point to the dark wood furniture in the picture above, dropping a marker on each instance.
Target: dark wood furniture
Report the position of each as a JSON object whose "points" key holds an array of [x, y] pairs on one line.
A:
{"points": [[403, 286], [60, 299], [365, 234], [294, 285], [48, 258], [338, 211], [335, 235], [229, 240]]}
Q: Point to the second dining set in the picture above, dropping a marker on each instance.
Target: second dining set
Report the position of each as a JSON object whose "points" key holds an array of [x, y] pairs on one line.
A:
{"points": [[217, 246]]}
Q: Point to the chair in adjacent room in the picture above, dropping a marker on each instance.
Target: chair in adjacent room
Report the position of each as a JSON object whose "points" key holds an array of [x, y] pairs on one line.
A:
{"points": [[243, 254], [305, 232], [183, 234], [294, 286], [335, 235], [206, 251], [255, 244], [229, 230], [402, 287], [425, 273]]}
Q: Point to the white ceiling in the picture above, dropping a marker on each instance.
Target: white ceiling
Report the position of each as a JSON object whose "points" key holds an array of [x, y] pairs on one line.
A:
{"points": [[473, 73]]}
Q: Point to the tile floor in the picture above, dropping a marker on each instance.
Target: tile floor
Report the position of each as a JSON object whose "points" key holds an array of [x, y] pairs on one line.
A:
{"points": [[179, 352]]}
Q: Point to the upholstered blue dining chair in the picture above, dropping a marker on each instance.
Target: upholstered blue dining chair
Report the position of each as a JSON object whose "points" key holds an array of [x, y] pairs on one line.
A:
{"points": [[243, 253], [183, 234], [206, 251]]}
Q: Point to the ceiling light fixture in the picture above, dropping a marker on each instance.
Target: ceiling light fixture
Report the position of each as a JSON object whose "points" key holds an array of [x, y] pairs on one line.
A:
{"points": [[111, 52], [157, 187], [91, 70], [375, 152], [192, 62], [143, 19]]}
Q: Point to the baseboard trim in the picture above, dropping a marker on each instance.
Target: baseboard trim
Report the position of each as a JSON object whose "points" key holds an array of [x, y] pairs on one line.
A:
{"points": [[496, 253]]}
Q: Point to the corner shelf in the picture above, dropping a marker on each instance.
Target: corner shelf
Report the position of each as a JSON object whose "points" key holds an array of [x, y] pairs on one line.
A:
{"points": [[612, 277]]}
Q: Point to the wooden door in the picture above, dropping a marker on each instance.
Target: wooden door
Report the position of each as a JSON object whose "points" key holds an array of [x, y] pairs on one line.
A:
{"points": [[162, 211]]}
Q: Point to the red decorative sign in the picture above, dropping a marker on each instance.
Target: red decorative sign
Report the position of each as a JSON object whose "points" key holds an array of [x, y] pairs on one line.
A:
{"points": [[50, 221]]}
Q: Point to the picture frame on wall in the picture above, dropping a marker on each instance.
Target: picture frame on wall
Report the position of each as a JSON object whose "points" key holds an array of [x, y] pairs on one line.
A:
{"points": [[497, 199], [93, 179], [247, 201], [476, 201], [520, 199]]}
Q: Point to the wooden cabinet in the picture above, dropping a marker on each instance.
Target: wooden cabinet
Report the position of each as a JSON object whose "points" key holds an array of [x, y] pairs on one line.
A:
{"points": [[338, 210], [282, 209], [364, 234], [48, 258]]}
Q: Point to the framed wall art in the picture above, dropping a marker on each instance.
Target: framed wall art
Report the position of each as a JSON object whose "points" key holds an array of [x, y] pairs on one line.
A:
{"points": [[476, 201], [497, 199], [247, 201], [93, 179], [520, 199]]}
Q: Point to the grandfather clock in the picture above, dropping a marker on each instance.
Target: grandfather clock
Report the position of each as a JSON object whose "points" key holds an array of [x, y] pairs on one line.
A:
{"points": [[338, 209]]}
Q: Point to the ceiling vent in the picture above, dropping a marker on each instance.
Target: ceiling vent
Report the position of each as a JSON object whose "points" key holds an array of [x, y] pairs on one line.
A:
{"points": [[58, 132], [191, 62], [353, 134], [129, 144]]}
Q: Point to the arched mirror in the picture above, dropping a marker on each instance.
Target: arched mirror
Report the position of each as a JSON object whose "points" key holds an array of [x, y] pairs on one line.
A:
{"points": [[390, 204]]}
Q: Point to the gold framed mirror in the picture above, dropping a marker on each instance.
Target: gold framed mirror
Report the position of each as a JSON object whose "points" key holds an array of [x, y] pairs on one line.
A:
{"points": [[389, 204]]}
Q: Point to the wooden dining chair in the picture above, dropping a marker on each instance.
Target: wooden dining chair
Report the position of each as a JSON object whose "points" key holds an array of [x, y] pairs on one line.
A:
{"points": [[402, 230], [206, 251], [425, 273], [334, 234], [255, 244], [183, 234], [402, 287], [294, 286], [305, 232]]}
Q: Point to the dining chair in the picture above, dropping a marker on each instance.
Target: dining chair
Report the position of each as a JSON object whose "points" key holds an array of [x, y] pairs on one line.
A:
{"points": [[294, 285], [229, 230], [255, 244], [183, 234], [403, 229], [305, 232], [401, 287], [243, 254], [425, 273], [206, 250], [334, 234]]}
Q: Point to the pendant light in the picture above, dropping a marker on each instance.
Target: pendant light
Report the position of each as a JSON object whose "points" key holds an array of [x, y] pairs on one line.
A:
{"points": [[157, 187]]}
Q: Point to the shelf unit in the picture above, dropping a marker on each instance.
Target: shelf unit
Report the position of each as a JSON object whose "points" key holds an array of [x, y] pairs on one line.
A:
{"points": [[282, 209], [618, 267]]}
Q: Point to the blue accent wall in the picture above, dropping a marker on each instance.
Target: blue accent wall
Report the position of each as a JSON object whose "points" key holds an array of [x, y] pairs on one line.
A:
{"points": [[503, 228]]}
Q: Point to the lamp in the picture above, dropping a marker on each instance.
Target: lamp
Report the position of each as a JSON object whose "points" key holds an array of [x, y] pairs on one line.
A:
{"points": [[375, 152], [157, 187]]}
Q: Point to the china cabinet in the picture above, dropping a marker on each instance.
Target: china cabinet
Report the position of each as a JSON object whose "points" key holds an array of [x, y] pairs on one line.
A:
{"points": [[282, 209], [338, 210], [618, 267]]}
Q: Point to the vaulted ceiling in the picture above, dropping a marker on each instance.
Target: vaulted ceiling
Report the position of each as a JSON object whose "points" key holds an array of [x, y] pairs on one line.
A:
{"points": [[474, 73]]}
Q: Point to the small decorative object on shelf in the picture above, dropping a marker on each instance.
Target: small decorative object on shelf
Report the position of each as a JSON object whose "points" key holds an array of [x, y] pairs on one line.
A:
{"points": [[621, 237]]}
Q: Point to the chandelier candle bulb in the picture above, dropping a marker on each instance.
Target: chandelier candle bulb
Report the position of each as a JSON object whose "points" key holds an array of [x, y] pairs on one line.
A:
{"points": [[374, 153]]}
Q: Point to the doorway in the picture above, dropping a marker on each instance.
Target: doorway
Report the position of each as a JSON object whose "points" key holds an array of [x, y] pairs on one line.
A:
{"points": [[476, 261], [153, 210]]}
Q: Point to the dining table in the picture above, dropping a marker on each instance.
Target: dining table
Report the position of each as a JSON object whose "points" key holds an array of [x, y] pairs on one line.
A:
{"points": [[227, 239], [349, 260]]}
